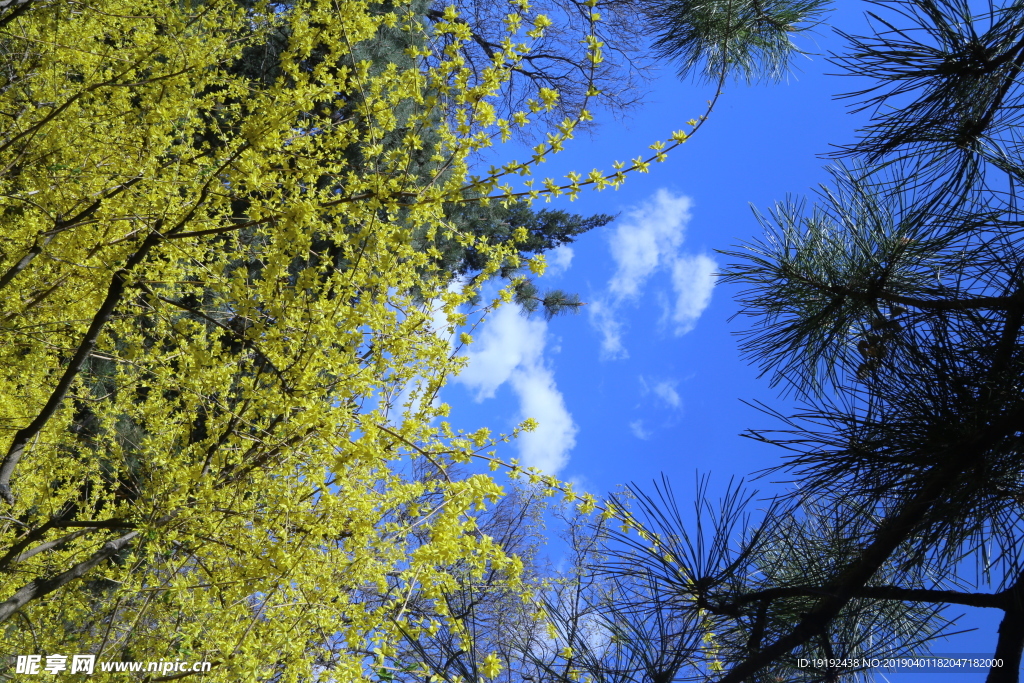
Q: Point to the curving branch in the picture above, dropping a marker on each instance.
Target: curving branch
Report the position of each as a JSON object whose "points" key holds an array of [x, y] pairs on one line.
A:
{"points": [[1014, 302], [59, 227], [114, 295], [20, 7], [50, 545], [40, 587]]}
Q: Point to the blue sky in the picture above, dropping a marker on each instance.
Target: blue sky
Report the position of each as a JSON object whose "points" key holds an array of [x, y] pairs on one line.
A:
{"points": [[649, 379]]}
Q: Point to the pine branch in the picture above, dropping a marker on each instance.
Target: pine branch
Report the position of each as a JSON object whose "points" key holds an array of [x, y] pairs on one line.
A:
{"points": [[892, 532], [895, 593]]}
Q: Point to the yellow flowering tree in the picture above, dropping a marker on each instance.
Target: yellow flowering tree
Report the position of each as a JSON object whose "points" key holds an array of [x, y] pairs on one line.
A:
{"points": [[219, 345]]}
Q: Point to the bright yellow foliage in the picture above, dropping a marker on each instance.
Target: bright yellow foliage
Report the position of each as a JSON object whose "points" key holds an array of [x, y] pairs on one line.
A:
{"points": [[218, 346], [210, 308]]}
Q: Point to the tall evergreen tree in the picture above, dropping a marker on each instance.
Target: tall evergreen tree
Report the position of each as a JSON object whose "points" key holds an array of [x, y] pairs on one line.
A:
{"points": [[495, 222], [546, 229], [893, 311]]}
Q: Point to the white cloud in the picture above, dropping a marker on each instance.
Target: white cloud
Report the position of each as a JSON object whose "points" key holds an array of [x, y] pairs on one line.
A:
{"points": [[692, 280], [602, 316], [547, 447], [511, 349], [637, 427], [648, 236], [666, 391], [508, 341], [648, 240], [559, 259]]}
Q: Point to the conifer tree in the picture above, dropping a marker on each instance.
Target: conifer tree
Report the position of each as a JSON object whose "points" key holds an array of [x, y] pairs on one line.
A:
{"points": [[892, 309], [493, 223]]}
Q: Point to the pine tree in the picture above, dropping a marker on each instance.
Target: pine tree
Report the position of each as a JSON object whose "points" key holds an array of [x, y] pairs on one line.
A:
{"points": [[892, 310], [749, 40]]}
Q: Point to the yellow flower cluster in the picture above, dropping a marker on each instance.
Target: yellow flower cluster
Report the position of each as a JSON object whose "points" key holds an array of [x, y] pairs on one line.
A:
{"points": [[217, 342]]}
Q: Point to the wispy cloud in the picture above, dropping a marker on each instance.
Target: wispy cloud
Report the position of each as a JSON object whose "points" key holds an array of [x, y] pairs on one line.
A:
{"points": [[637, 427], [648, 240], [603, 317], [559, 259], [692, 280], [666, 391], [649, 236], [511, 349]]}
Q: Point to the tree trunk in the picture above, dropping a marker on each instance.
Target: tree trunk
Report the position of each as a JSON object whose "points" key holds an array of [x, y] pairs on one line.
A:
{"points": [[1008, 648]]}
